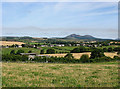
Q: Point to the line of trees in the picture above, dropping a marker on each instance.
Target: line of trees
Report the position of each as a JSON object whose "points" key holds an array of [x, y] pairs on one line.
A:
{"points": [[96, 56], [90, 49], [18, 52]]}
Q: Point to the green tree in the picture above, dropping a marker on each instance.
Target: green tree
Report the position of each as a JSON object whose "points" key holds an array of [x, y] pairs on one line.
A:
{"points": [[42, 51], [79, 50], [97, 53], [116, 49], [84, 58], [50, 51], [118, 53], [82, 49], [12, 52], [105, 49], [75, 50], [20, 51], [110, 49], [69, 55]]}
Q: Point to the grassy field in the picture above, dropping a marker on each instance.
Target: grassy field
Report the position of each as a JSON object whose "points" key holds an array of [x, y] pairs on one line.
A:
{"points": [[5, 43], [8, 50], [60, 75]]}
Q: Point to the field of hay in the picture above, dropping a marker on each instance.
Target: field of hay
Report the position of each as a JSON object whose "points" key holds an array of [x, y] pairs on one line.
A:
{"points": [[5, 43], [60, 75], [78, 55]]}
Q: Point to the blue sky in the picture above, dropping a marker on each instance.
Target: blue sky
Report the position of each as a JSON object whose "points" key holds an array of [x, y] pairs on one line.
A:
{"points": [[59, 19]]}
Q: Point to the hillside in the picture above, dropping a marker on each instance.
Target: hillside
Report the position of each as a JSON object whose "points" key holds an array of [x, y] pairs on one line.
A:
{"points": [[72, 37]]}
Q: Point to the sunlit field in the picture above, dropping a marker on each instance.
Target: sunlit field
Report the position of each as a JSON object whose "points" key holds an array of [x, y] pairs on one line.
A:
{"points": [[78, 55], [5, 43], [60, 75]]}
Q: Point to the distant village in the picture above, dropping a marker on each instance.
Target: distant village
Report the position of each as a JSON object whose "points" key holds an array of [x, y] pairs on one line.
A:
{"points": [[85, 44]]}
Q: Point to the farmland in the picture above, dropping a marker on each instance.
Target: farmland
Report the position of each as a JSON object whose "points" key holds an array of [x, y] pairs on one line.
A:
{"points": [[78, 55], [59, 72], [60, 75], [5, 43]]}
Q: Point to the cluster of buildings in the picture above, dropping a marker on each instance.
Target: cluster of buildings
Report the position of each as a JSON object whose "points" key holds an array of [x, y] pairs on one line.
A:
{"points": [[33, 55], [58, 45], [86, 44]]}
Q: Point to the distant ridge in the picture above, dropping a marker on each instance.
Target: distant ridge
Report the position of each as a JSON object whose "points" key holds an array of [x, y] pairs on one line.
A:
{"points": [[74, 36], [85, 37], [69, 37]]}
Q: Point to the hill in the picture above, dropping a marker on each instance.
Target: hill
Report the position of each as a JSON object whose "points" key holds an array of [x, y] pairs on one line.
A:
{"points": [[74, 36], [85, 37]]}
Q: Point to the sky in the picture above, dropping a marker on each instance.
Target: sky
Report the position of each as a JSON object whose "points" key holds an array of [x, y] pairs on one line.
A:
{"points": [[59, 19]]}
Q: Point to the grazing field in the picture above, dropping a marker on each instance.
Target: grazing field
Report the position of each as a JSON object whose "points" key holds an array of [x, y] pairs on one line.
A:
{"points": [[8, 50], [78, 55], [5, 43], [60, 75]]}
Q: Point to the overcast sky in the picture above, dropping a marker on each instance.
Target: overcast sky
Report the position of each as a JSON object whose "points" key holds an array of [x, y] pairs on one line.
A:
{"points": [[59, 19]]}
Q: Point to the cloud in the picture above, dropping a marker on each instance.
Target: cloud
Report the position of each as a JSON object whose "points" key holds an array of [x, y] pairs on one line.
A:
{"points": [[60, 0], [60, 19]]}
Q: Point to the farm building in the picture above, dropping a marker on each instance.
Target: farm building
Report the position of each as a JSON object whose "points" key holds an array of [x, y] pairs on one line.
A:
{"points": [[33, 55], [43, 55], [28, 54]]}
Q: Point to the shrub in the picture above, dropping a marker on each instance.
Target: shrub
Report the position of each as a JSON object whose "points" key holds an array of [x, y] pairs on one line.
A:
{"points": [[110, 49], [69, 56], [118, 53], [116, 58], [50, 51], [79, 50], [116, 49], [97, 53], [42, 51], [19, 51], [84, 58], [14, 58], [39, 59], [30, 51], [12, 52], [102, 59], [105, 49]]}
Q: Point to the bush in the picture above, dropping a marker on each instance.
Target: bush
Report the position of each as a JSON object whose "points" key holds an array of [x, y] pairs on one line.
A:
{"points": [[42, 51], [110, 49], [97, 53], [12, 52], [19, 51], [103, 59], [118, 53], [84, 58], [79, 50], [40, 59], [14, 58], [105, 49], [116, 58], [50, 51], [116, 49], [69, 56], [30, 51]]}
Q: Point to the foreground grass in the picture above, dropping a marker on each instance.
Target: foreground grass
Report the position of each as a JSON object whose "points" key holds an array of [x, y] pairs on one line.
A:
{"points": [[60, 75]]}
